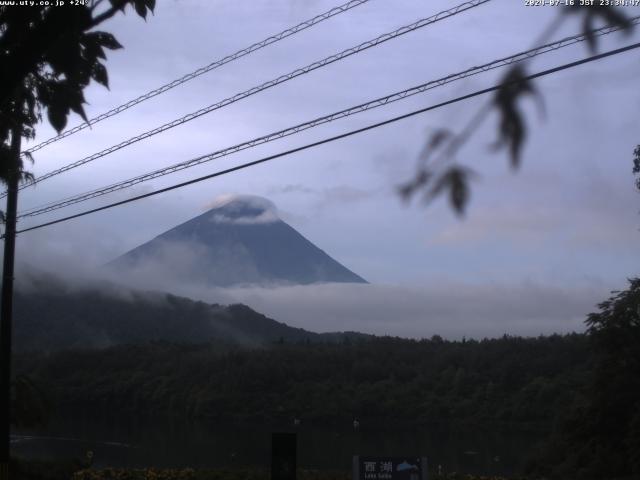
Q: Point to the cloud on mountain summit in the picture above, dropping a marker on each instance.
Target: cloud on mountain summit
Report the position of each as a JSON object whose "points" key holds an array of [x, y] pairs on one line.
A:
{"points": [[267, 216], [240, 209]]}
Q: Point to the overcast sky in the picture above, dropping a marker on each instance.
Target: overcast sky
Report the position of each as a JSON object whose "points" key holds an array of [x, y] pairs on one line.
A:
{"points": [[538, 247]]}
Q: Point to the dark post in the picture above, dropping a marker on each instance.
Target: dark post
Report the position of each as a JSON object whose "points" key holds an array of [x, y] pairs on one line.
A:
{"points": [[283, 456], [6, 308], [355, 467]]}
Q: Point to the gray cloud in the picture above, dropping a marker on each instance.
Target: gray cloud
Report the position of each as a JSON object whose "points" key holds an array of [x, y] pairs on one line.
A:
{"points": [[452, 310], [327, 195], [290, 188]]}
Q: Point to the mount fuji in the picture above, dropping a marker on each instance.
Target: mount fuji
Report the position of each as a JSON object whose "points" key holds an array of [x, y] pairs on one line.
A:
{"points": [[240, 241]]}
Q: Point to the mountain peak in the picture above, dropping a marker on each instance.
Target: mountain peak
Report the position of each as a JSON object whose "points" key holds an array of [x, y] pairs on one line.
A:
{"points": [[240, 240], [242, 210]]}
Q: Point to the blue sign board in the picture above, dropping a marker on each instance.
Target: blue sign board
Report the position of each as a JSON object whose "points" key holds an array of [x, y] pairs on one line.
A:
{"points": [[389, 468]]}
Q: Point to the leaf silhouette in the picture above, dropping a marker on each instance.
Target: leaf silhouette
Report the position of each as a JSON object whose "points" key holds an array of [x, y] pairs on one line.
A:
{"points": [[512, 129], [435, 141], [107, 40], [141, 8], [607, 14], [408, 189], [587, 28], [99, 74], [57, 116], [439, 137], [92, 45], [456, 180]]}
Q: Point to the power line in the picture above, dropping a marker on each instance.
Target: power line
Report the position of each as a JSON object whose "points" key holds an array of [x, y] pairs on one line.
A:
{"points": [[320, 121], [207, 68], [252, 91], [334, 138]]}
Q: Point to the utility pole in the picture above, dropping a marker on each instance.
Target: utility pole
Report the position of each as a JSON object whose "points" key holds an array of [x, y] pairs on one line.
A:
{"points": [[6, 308]]}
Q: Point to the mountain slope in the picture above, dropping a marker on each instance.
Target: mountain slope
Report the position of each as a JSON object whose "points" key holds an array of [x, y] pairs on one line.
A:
{"points": [[239, 241], [51, 316]]}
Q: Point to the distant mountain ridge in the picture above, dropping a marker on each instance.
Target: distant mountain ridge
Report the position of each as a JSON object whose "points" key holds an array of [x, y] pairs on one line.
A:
{"points": [[51, 316], [240, 241]]}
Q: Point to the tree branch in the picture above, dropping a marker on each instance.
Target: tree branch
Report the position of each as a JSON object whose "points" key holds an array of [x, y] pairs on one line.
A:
{"points": [[106, 15]]}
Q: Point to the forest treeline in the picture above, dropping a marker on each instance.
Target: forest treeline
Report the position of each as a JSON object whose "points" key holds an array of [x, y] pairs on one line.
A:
{"points": [[511, 381], [580, 392]]}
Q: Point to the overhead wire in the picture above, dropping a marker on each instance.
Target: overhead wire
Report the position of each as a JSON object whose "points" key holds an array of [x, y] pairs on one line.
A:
{"points": [[272, 83], [201, 71], [381, 101], [336, 137]]}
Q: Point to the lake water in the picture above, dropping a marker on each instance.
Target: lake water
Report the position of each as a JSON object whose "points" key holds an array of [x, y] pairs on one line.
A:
{"points": [[173, 444]]}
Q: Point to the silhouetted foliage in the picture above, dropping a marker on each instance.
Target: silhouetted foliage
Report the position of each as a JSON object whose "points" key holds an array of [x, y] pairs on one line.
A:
{"points": [[600, 438], [48, 56], [435, 177], [506, 383], [607, 13]]}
